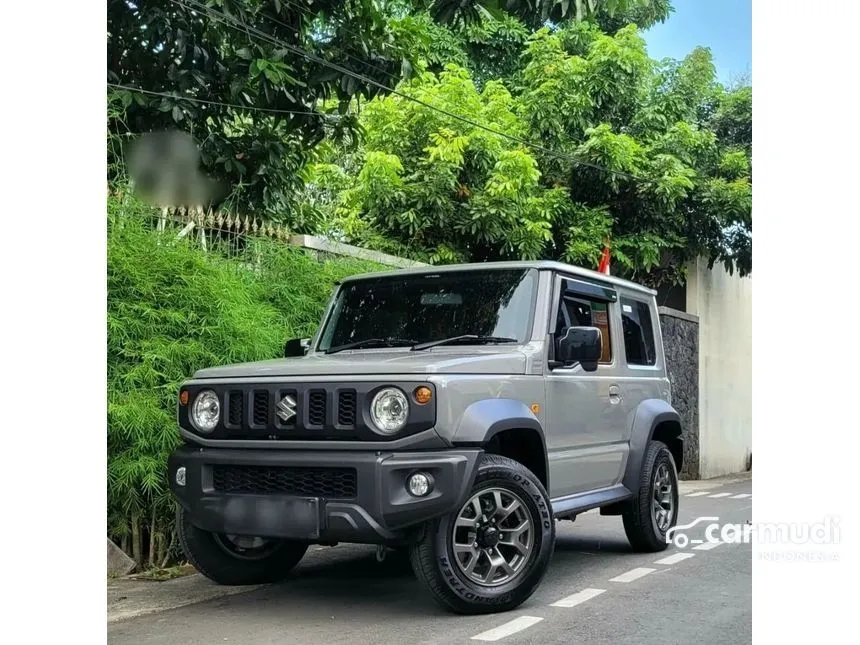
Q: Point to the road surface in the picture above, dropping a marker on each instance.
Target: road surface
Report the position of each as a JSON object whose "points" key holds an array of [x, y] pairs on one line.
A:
{"points": [[596, 591]]}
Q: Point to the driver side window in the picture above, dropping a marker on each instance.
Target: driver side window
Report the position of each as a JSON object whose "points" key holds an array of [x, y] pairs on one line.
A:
{"points": [[578, 311]]}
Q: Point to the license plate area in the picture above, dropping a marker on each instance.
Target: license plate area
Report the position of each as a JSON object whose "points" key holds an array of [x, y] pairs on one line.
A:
{"points": [[295, 518]]}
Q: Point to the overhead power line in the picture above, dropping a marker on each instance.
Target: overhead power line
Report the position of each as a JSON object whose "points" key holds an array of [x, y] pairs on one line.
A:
{"points": [[299, 32], [239, 25], [236, 106]]}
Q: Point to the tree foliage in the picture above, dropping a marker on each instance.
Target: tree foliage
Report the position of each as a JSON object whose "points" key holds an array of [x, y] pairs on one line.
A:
{"points": [[269, 105], [604, 143], [179, 49]]}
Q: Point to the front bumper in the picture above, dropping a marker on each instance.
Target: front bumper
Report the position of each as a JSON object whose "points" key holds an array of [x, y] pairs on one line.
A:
{"points": [[379, 511]]}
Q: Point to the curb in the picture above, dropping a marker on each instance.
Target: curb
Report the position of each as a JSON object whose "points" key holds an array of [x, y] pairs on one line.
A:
{"points": [[129, 598]]}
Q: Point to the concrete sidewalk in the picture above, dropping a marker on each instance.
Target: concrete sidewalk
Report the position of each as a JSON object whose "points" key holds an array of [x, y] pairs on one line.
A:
{"points": [[129, 597]]}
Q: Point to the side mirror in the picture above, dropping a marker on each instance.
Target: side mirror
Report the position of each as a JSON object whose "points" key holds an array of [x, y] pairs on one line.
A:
{"points": [[296, 347], [582, 345]]}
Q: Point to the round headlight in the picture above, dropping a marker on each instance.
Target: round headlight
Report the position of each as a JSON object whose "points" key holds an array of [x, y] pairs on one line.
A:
{"points": [[206, 411], [389, 410]]}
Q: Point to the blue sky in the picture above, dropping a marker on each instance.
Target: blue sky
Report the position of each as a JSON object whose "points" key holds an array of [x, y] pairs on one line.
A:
{"points": [[725, 26]]}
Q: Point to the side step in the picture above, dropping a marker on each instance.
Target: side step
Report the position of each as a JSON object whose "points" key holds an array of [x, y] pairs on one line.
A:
{"points": [[581, 502]]}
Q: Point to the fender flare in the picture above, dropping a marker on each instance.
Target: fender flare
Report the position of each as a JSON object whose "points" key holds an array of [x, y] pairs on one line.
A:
{"points": [[484, 419], [649, 414]]}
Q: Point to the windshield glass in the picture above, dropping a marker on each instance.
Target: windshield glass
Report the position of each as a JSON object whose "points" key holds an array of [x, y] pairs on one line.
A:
{"points": [[433, 306]]}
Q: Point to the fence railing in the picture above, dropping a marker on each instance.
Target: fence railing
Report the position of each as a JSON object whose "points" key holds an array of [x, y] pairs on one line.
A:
{"points": [[197, 221]]}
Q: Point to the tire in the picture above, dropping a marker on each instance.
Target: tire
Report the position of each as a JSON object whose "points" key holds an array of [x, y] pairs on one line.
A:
{"points": [[641, 522], [440, 570], [217, 557]]}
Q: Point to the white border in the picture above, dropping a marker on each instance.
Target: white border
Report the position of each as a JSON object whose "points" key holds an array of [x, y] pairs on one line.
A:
{"points": [[805, 429], [54, 308]]}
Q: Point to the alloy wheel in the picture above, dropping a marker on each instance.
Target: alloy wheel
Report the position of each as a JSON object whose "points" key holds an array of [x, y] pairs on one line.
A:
{"points": [[493, 537], [662, 503]]}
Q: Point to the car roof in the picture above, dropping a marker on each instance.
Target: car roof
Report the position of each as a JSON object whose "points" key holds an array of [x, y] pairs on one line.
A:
{"points": [[543, 265]]}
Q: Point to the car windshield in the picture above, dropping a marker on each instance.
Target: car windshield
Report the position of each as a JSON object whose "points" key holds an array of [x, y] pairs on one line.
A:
{"points": [[406, 310]]}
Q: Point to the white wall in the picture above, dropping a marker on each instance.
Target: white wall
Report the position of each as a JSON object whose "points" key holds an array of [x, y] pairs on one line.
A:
{"points": [[723, 304]]}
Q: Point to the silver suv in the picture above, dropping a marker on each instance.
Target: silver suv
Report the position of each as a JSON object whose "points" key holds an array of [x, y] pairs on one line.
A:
{"points": [[454, 411]]}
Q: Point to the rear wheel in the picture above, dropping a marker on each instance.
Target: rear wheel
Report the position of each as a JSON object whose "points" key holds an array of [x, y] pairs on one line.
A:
{"points": [[654, 508], [237, 559], [491, 554]]}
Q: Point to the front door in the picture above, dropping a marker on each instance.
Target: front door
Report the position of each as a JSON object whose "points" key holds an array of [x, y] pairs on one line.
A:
{"points": [[586, 421]]}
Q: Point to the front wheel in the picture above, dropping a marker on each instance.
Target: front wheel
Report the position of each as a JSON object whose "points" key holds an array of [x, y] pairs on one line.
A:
{"points": [[491, 554], [236, 559], [654, 507]]}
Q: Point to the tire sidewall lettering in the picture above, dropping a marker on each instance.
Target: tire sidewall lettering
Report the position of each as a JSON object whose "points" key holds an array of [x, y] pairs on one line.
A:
{"points": [[544, 533]]}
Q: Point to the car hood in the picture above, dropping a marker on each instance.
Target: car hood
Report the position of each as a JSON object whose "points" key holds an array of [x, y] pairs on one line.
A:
{"points": [[353, 363]]}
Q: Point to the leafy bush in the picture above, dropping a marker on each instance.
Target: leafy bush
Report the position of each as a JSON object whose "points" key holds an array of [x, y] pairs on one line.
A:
{"points": [[173, 308]]}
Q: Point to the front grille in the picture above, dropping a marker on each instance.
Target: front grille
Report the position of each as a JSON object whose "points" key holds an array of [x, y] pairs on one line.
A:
{"points": [[290, 411], [331, 483], [235, 408], [316, 408], [261, 407], [346, 408]]}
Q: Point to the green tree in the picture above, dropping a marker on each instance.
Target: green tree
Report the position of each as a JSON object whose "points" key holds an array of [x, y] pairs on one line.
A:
{"points": [[446, 189], [653, 155], [250, 60], [269, 105]]}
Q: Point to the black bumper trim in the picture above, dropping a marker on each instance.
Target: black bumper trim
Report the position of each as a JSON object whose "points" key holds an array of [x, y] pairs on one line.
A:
{"points": [[382, 511]]}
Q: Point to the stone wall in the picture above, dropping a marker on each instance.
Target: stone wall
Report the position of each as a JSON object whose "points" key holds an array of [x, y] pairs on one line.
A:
{"points": [[681, 346]]}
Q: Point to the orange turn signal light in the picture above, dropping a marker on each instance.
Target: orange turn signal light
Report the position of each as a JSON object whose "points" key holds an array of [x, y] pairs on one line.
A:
{"points": [[423, 394], [183, 397], [535, 408]]}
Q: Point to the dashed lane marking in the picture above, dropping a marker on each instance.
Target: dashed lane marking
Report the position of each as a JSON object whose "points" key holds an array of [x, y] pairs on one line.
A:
{"points": [[707, 546], [699, 494], [720, 495], [675, 558], [633, 574], [512, 627], [741, 496], [579, 597]]}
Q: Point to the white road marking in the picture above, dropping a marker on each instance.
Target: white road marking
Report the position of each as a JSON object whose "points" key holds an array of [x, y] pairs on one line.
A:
{"points": [[699, 494], [579, 597], [633, 574], [677, 557], [720, 495], [741, 496], [512, 627], [707, 546]]}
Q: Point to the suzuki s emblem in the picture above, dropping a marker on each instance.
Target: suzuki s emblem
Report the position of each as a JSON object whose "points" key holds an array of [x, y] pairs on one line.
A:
{"points": [[286, 408]]}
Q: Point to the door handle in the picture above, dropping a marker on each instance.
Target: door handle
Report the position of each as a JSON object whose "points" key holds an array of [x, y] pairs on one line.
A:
{"points": [[614, 394]]}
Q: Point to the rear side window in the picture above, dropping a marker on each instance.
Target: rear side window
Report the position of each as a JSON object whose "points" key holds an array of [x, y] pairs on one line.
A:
{"points": [[638, 332]]}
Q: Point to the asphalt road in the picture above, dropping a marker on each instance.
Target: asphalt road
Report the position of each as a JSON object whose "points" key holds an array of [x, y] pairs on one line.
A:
{"points": [[342, 595]]}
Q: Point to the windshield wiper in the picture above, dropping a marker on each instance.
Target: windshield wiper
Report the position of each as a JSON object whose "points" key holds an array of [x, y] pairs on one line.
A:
{"points": [[471, 339], [373, 342]]}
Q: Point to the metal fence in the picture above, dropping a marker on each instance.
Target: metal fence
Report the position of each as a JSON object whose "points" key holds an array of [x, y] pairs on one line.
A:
{"points": [[233, 233]]}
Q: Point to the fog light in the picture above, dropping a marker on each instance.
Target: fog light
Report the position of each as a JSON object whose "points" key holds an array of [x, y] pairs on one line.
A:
{"points": [[180, 476], [420, 484]]}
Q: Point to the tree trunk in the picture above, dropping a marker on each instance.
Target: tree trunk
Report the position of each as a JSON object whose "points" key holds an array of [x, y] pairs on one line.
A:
{"points": [[152, 538], [168, 549], [159, 552], [136, 544]]}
